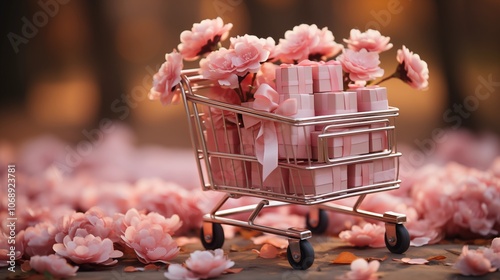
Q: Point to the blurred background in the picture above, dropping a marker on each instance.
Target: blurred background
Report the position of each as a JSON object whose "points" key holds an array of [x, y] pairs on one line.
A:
{"points": [[71, 66]]}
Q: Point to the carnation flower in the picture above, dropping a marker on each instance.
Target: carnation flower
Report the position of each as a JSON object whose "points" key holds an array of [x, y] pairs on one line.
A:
{"points": [[361, 65], [412, 70], [168, 76], [297, 44], [150, 237], [81, 224], [57, 267], [218, 66], [39, 239], [203, 38], [326, 47], [362, 270], [371, 40], [200, 265], [472, 262], [88, 249], [371, 235], [249, 53]]}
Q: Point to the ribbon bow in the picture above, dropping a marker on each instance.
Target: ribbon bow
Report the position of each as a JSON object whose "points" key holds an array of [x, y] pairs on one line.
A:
{"points": [[266, 142]]}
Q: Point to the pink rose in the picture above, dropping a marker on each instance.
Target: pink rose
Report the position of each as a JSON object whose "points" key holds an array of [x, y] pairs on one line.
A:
{"points": [[298, 42], [371, 40], [362, 270], [57, 267], [203, 38], [218, 66], [168, 76], [39, 239], [371, 235], [412, 69], [88, 249], [326, 47], [200, 265], [361, 65], [472, 262], [249, 53]]}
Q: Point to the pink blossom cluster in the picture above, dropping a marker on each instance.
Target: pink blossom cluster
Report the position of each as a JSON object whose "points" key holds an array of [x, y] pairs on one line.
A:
{"points": [[200, 265], [481, 261], [248, 61]]}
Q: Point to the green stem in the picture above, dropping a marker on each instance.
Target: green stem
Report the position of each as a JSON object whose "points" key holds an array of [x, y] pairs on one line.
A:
{"points": [[394, 75]]}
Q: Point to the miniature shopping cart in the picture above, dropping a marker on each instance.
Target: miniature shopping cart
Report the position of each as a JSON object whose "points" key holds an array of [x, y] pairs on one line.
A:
{"points": [[311, 175]]}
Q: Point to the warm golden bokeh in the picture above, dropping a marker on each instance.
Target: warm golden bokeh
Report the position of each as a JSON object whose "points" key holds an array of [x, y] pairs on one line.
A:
{"points": [[94, 61]]}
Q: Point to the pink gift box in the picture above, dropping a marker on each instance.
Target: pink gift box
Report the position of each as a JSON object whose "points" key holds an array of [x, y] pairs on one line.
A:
{"points": [[384, 170], [360, 174], [294, 79], [318, 181], [222, 140], [276, 182], [331, 103], [378, 140], [305, 104], [341, 146], [230, 172], [327, 78], [373, 98], [294, 142]]}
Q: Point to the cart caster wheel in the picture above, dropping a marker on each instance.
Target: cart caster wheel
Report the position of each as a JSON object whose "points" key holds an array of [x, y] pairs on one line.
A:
{"points": [[321, 225], [306, 256], [402, 240], [217, 238]]}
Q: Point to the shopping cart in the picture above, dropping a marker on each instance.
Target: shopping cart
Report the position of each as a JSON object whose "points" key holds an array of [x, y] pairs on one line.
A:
{"points": [[227, 163]]}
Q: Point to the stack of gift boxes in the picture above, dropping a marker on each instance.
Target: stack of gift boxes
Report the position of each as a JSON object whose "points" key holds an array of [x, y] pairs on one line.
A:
{"points": [[318, 89]]}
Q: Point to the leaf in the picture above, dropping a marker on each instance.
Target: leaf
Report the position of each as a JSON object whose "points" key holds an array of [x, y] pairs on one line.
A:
{"points": [[248, 233], [345, 258], [233, 270], [151, 267], [276, 241], [412, 261], [132, 269], [436, 258], [369, 259], [267, 251]]}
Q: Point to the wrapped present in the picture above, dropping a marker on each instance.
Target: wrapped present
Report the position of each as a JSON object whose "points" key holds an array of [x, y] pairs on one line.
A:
{"points": [[230, 172], [384, 170], [327, 77], [378, 139], [294, 79], [331, 103], [360, 174], [372, 98], [276, 182], [341, 146], [322, 180], [293, 141], [223, 140]]}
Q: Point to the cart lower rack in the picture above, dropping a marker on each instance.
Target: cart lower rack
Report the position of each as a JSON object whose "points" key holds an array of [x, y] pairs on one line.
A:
{"points": [[314, 166]]}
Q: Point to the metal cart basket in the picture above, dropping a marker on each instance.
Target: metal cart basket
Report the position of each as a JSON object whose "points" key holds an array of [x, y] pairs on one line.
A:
{"points": [[306, 174]]}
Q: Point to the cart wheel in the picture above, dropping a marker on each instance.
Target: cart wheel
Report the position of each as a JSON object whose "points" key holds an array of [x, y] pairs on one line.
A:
{"points": [[321, 226], [217, 237], [306, 256], [402, 240]]}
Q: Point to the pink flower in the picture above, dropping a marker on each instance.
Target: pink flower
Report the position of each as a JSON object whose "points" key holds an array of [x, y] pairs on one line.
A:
{"points": [[203, 38], [5, 259], [168, 76], [362, 270], [493, 253], [39, 239], [168, 199], [326, 46], [88, 249], [249, 53], [371, 235], [81, 224], [218, 66], [298, 43], [150, 237], [361, 65], [412, 69], [200, 265], [472, 262], [371, 40], [57, 267]]}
